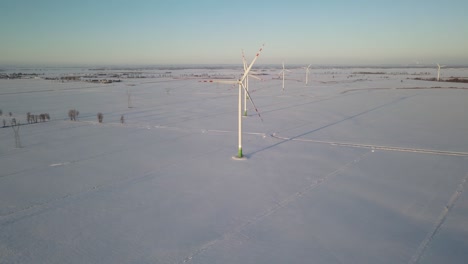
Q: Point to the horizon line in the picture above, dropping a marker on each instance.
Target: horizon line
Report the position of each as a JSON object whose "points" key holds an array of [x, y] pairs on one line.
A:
{"points": [[194, 65]]}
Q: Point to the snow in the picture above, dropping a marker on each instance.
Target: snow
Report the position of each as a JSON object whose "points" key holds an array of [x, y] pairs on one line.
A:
{"points": [[363, 169]]}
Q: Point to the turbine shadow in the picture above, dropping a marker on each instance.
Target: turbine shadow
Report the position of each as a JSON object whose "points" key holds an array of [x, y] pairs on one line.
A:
{"points": [[306, 103], [331, 124]]}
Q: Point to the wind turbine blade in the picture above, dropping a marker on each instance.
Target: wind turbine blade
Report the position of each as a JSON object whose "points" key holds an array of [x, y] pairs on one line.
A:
{"points": [[250, 98], [251, 64], [244, 61], [255, 77]]}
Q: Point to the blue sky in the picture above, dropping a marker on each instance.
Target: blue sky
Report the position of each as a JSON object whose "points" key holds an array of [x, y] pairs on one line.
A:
{"points": [[192, 32]]}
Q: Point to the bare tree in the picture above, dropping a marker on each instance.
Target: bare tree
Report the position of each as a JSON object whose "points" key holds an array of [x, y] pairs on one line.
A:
{"points": [[100, 116], [16, 127], [72, 113]]}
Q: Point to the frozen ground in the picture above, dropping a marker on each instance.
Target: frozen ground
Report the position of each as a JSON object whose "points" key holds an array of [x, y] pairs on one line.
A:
{"points": [[352, 168]]}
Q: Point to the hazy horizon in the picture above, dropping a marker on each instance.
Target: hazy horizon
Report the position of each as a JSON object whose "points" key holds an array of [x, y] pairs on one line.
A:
{"points": [[177, 66], [211, 32]]}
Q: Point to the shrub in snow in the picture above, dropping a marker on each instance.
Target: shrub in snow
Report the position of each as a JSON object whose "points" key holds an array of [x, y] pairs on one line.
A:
{"points": [[72, 113]]}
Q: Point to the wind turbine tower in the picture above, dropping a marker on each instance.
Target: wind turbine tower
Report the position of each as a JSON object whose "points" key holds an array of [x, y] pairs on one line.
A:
{"points": [[242, 88], [282, 72], [307, 73], [438, 71]]}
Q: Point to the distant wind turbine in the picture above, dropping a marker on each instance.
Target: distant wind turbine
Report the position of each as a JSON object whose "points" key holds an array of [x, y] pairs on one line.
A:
{"points": [[438, 71], [282, 73], [242, 87], [307, 73]]}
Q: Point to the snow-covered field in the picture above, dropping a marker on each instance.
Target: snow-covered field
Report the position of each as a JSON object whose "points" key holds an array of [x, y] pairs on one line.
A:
{"points": [[352, 168]]}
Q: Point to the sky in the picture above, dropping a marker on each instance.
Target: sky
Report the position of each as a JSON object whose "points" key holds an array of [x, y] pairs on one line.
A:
{"points": [[153, 32]]}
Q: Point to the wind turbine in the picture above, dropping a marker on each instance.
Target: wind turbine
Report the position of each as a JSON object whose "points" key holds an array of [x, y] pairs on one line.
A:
{"points": [[241, 84], [282, 72], [246, 82], [438, 71], [307, 73]]}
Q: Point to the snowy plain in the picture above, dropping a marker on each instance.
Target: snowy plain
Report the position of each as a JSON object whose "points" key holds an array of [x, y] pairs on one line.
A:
{"points": [[353, 167]]}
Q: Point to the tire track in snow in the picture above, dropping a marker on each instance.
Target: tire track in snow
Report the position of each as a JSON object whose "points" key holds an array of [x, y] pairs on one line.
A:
{"points": [[262, 215], [67, 163], [36, 209], [438, 224], [26, 149], [91, 123], [403, 88], [376, 147], [51, 90], [315, 99], [126, 125], [11, 213], [376, 108]]}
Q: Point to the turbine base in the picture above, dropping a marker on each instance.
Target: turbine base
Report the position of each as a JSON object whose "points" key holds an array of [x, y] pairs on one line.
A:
{"points": [[239, 156]]}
